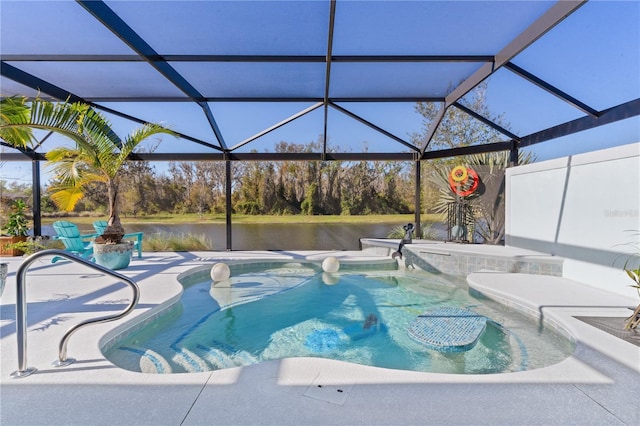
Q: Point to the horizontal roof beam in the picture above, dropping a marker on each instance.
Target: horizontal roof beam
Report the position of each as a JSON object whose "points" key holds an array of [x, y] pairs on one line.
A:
{"points": [[468, 150], [266, 99], [60, 94], [300, 156], [283, 156], [22, 154], [155, 57], [611, 115], [37, 84]]}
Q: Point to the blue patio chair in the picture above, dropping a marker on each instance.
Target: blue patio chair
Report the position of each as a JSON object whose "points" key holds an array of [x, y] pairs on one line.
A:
{"points": [[74, 242], [101, 225]]}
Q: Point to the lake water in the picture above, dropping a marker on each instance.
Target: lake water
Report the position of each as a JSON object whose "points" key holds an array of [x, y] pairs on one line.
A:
{"points": [[274, 236]]}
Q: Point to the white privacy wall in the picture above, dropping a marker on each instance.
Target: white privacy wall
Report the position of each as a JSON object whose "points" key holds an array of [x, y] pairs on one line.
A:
{"points": [[584, 208]]}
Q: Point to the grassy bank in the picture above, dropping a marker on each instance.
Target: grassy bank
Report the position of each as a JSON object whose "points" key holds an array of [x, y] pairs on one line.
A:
{"points": [[220, 218]]}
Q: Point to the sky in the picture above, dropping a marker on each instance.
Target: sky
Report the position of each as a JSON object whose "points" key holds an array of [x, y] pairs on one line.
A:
{"points": [[594, 55]]}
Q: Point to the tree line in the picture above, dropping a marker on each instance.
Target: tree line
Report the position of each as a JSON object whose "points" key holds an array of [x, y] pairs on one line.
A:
{"points": [[299, 187], [262, 187]]}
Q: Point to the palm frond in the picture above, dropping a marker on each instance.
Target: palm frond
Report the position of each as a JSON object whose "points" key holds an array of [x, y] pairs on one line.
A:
{"points": [[67, 198], [66, 163], [14, 109], [99, 153], [62, 118], [140, 134]]}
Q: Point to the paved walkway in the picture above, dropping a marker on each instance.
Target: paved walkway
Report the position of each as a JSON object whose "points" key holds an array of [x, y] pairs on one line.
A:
{"points": [[598, 385]]}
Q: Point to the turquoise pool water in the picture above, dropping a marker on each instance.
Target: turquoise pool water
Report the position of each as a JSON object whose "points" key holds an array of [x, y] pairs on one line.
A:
{"points": [[359, 316]]}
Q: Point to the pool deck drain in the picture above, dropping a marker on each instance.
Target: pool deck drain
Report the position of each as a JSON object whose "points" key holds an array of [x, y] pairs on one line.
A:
{"points": [[323, 391]]}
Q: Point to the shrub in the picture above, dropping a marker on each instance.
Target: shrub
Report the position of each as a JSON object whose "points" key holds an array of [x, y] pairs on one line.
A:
{"points": [[176, 242]]}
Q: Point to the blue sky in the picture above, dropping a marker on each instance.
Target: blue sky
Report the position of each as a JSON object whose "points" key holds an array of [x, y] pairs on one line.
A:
{"points": [[594, 55]]}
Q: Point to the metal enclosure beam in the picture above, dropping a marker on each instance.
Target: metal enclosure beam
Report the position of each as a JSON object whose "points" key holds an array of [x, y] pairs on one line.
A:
{"points": [[551, 89], [229, 212], [486, 121], [607, 116], [418, 198], [12, 57], [542, 25], [376, 128], [37, 84], [327, 76], [277, 126], [60, 94], [548, 20], [36, 198], [116, 25]]}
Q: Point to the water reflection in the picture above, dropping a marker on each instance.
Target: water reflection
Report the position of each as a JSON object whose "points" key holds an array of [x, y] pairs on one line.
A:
{"points": [[268, 236]]}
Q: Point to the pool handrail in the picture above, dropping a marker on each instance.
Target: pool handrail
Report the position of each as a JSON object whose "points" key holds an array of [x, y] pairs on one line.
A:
{"points": [[21, 309]]}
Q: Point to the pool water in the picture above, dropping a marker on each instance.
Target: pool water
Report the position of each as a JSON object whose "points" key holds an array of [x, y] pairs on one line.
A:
{"points": [[358, 316]]}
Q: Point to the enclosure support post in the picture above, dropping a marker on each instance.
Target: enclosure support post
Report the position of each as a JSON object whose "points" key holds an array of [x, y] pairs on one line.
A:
{"points": [[227, 188], [513, 155], [36, 198], [418, 206]]}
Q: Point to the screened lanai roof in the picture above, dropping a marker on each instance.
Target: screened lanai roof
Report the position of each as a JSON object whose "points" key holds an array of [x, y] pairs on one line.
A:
{"points": [[234, 78]]}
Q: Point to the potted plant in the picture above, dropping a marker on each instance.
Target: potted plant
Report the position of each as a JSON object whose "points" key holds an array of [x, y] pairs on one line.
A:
{"points": [[634, 320], [15, 231], [98, 156]]}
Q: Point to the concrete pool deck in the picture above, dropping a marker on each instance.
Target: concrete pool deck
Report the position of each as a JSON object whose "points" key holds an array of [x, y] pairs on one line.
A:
{"points": [[599, 384]]}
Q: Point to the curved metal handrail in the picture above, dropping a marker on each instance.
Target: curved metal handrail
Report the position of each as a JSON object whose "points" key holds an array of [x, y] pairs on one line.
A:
{"points": [[21, 309]]}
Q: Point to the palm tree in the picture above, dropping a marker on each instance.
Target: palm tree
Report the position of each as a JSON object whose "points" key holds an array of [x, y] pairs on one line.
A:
{"points": [[98, 156], [488, 211]]}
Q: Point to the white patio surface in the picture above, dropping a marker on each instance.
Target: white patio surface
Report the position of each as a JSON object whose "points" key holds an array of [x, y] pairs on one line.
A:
{"points": [[598, 385]]}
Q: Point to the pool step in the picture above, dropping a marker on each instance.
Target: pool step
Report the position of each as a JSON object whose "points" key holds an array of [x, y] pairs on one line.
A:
{"points": [[139, 359], [215, 357], [202, 358], [225, 356], [189, 361]]}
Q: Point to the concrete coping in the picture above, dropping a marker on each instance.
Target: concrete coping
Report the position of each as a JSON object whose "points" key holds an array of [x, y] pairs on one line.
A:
{"points": [[557, 302]]}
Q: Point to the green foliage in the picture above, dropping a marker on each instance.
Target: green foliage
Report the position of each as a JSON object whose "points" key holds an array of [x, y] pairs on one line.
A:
{"points": [[176, 242], [138, 195], [247, 207], [27, 247], [631, 267], [488, 209], [457, 128], [98, 156], [90, 176], [17, 225], [634, 274], [18, 118], [320, 188], [309, 204], [631, 264]]}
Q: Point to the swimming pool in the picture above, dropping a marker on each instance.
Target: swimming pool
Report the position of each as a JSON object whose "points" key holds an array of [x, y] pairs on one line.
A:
{"points": [[360, 315]]}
